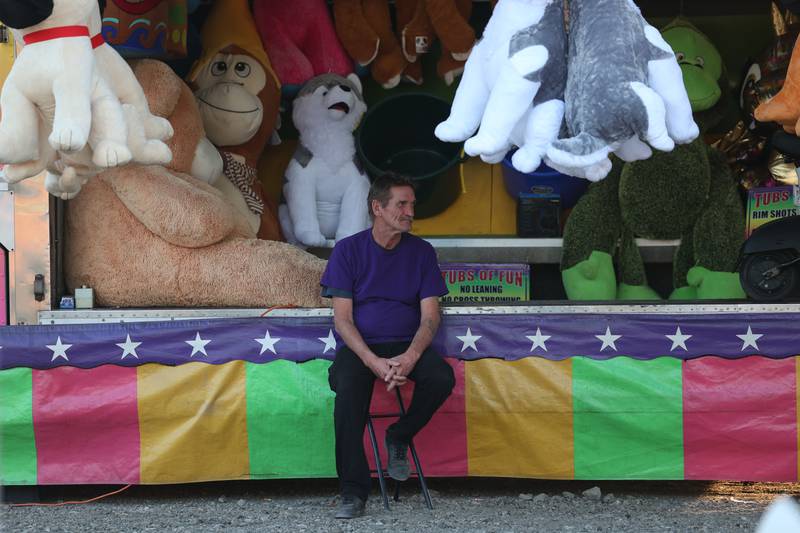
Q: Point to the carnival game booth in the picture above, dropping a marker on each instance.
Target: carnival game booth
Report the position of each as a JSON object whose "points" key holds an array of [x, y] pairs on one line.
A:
{"points": [[161, 330]]}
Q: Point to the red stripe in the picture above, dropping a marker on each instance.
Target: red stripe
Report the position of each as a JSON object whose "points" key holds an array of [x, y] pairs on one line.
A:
{"points": [[86, 425], [60, 32], [98, 40]]}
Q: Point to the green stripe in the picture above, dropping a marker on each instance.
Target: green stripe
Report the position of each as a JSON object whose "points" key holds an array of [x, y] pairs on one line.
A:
{"points": [[628, 418], [290, 420], [17, 445]]}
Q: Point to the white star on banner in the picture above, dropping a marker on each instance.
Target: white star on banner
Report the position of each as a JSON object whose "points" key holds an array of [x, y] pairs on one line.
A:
{"points": [[608, 339], [538, 340], [198, 345], [750, 338], [679, 339], [469, 340], [59, 350], [267, 343], [129, 347], [330, 342]]}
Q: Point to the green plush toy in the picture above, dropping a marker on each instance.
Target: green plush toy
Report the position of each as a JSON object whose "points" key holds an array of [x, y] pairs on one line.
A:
{"points": [[688, 194]]}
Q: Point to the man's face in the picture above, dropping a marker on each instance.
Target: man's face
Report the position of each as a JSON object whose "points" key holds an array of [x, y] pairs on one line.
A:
{"points": [[398, 214]]}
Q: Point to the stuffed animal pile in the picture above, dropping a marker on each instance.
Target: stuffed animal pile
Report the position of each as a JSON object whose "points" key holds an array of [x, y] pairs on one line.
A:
{"points": [[158, 236], [623, 94]]}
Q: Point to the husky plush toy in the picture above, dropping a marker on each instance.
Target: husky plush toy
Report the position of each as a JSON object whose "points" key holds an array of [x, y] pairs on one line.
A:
{"points": [[325, 189], [624, 88], [54, 75], [513, 85]]}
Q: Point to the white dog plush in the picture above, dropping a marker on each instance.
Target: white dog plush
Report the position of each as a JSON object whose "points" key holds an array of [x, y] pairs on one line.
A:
{"points": [[67, 172], [325, 190], [54, 75], [513, 85]]}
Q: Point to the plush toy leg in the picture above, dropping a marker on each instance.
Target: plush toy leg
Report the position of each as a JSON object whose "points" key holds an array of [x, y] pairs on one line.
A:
{"points": [[591, 279], [356, 34], [657, 133], [145, 151], [14, 173], [413, 73], [448, 68], [450, 19], [390, 63], [468, 104], [109, 134], [542, 128], [290, 64], [286, 224], [19, 127], [784, 107], [510, 99], [666, 79], [300, 193], [72, 120], [415, 28], [633, 150], [353, 211]]}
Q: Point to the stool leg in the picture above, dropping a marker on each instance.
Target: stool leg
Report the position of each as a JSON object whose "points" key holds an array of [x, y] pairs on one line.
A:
{"points": [[420, 475], [375, 450]]}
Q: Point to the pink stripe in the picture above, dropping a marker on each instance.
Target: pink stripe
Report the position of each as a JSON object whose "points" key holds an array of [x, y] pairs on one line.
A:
{"points": [[442, 444], [86, 425], [740, 419]]}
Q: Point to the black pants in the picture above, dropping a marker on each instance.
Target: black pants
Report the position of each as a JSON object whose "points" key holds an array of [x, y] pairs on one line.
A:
{"points": [[353, 381]]}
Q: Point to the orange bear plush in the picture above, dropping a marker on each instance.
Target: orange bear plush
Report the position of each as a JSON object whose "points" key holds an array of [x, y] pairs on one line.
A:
{"points": [[784, 107], [365, 29]]}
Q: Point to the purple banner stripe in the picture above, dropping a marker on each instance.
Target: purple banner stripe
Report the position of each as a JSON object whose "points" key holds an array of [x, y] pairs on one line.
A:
{"points": [[259, 340]]}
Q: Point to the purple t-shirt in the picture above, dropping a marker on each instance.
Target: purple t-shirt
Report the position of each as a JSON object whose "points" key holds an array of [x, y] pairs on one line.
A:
{"points": [[386, 285]]}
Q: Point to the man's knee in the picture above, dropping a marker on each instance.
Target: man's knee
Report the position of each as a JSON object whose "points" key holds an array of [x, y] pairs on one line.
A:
{"points": [[443, 380]]}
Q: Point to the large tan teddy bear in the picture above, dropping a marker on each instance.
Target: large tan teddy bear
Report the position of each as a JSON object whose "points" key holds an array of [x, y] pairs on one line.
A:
{"points": [[145, 236]]}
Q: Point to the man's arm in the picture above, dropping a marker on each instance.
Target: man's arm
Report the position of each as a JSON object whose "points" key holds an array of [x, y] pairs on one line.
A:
{"points": [[404, 363], [346, 328]]}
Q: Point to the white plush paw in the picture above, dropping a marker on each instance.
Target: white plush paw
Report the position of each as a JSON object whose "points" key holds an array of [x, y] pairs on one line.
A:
{"points": [[392, 82], [158, 128], [451, 131], [526, 160], [18, 172], [108, 154], [153, 153], [311, 238], [68, 139], [683, 132], [663, 142], [495, 158], [484, 144], [598, 171]]}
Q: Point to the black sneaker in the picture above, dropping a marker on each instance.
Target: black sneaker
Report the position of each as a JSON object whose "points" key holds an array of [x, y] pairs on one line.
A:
{"points": [[397, 468], [350, 507]]}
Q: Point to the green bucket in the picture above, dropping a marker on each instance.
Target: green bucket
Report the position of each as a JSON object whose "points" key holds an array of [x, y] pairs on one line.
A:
{"points": [[396, 135]]}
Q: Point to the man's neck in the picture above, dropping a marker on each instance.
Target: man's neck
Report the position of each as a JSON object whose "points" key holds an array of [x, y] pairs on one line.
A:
{"points": [[386, 238]]}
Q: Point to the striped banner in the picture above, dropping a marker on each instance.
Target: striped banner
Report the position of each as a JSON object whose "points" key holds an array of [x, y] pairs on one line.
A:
{"points": [[577, 418]]}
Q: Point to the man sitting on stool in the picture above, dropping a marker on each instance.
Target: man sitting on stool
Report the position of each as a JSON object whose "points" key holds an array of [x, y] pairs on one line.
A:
{"points": [[385, 284]]}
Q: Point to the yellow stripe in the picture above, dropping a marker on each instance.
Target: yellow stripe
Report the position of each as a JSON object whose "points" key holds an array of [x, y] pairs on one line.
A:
{"points": [[519, 418], [193, 422], [6, 57]]}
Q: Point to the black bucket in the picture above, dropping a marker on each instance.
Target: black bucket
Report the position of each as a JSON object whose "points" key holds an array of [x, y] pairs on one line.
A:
{"points": [[396, 135]]}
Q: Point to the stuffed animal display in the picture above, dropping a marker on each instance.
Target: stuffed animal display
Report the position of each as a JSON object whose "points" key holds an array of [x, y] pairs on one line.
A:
{"points": [[153, 235], [300, 40], [365, 28], [421, 22], [54, 77], [141, 130], [326, 189], [239, 98], [784, 107], [622, 92], [689, 193], [513, 85]]}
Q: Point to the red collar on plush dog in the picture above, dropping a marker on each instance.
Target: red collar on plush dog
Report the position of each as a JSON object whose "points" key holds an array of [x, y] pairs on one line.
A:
{"points": [[60, 32], [98, 40]]}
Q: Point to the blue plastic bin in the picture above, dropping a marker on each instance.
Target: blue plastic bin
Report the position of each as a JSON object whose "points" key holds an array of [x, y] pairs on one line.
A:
{"points": [[544, 180]]}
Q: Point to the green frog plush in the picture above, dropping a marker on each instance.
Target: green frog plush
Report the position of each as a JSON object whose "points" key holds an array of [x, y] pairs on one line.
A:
{"points": [[688, 194]]}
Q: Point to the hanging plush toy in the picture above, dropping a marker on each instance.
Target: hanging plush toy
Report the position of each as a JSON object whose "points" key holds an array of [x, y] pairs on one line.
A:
{"points": [[54, 77], [784, 107], [513, 85], [326, 190], [300, 40], [624, 89], [239, 97]]}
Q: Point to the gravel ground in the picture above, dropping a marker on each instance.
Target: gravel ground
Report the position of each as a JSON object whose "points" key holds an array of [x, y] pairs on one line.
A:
{"points": [[459, 505]]}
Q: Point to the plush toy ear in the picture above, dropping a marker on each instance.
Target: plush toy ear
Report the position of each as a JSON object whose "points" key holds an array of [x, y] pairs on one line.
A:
{"points": [[353, 77]]}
